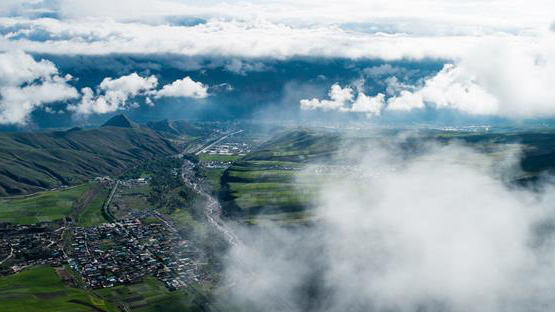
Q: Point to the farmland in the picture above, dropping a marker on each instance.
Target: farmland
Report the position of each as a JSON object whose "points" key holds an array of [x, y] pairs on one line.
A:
{"points": [[40, 207], [265, 180], [40, 289]]}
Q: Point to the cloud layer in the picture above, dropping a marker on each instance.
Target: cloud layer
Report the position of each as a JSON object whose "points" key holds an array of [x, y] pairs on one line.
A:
{"points": [[437, 231], [499, 80], [500, 66]]}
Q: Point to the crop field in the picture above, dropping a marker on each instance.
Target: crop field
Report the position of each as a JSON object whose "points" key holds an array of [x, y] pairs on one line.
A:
{"points": [[40, 289], [217, 157], [265, 187], [92, 214], [212, 177], [148, 296], [41, 207]]}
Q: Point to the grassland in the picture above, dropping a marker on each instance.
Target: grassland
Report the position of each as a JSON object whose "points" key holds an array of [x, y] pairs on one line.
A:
{"points": [[264, 181], [217, 157], [150, 296], [40, 207], [40, 289], [213, 175], [92, 213]]}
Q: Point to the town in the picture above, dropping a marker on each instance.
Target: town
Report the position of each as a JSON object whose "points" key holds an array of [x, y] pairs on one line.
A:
{"points": [[123, 252]]}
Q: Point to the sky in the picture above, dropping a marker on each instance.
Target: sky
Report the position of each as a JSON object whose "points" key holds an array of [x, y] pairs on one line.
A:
{"points": [[64, 62]]}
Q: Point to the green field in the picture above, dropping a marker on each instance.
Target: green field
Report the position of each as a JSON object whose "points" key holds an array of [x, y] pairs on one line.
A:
{"points": [[215, 157], [40, 289], [149, 296], [41, 207], [92, 214], [264, 181], [212, 176]]}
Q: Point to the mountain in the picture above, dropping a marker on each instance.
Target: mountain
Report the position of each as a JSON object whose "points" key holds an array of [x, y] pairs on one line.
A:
{"points": [[120, 121], [31, 161]]}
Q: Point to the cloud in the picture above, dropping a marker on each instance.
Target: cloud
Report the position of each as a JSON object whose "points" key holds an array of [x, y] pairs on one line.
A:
{"points": [[242, 67], [113, 94], [514, 82], [452, 88], [259, 38], [463, 34], [341, 98], [185, 87], [439, 230], [26, 84], [382, 70]]}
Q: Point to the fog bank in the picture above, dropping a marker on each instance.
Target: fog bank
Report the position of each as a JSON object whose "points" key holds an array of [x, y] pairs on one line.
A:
{"points": [[438, 230]]}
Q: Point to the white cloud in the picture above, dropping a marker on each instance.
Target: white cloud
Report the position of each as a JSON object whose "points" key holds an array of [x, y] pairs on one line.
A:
{"points": [[113, 94], [185, 87], [342, 99], [368, 104], [500, 80], [406, 101], [26, 84], [339, 98], [452, 88], [442, 220]]}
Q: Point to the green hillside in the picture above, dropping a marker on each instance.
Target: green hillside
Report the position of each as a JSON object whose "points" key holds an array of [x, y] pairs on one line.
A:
{"points": [[264, 180], [31, 162]]}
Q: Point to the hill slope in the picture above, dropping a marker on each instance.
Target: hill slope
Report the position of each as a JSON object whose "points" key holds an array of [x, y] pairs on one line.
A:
{"points": [[177, 127], [31, 162], [264, 180]]}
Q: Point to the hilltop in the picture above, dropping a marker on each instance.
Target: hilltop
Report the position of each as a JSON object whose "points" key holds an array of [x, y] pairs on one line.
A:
{"points": [[120, 121]]}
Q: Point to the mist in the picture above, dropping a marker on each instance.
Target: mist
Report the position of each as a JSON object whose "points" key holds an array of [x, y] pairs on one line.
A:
{"points": [[440, 229]]}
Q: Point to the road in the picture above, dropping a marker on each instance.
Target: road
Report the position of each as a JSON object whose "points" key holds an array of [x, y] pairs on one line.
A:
{"points": [[8, 257]]}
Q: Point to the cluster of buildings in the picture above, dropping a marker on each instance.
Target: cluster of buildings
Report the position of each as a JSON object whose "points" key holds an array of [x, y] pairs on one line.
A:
{"points": [[214, 164], [127, 251], [229, 148], [22, 246], [107, 255]]}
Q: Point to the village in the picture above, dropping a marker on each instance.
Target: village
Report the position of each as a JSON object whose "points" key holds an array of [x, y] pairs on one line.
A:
{"points": [[110, 254]]}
